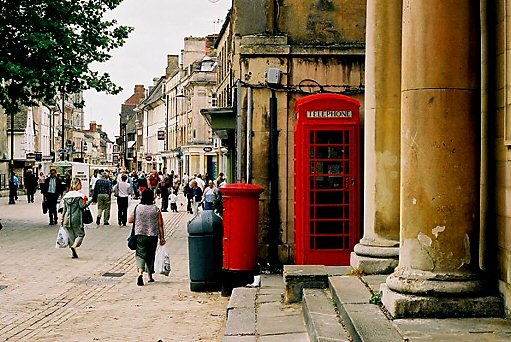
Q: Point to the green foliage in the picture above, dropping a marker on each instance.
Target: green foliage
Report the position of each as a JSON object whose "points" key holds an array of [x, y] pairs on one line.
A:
{"points": [[375, 298], [47, 46]]}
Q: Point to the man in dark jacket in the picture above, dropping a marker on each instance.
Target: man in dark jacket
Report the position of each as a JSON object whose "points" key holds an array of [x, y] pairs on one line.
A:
{"points": [[52, 190], [30, 182]]}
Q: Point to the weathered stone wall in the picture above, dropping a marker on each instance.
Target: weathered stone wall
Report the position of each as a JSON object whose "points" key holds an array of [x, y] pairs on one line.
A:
{"points": [[322, 22], [496, 160], [326, 70]]}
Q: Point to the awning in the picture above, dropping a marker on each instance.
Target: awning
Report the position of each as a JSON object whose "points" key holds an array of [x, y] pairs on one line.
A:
{"points": [[220, 118]]}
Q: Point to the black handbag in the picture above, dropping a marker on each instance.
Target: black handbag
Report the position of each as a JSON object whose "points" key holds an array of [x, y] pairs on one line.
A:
{"points": [[45, 206], [87, 216], [132, 239]]}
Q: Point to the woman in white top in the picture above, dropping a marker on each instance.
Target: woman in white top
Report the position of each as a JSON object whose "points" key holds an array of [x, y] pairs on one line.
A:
{"points": [[122, 192]]}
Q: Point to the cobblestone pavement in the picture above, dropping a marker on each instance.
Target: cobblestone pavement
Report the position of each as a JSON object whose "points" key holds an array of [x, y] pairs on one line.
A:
{"points": [[47, 296]]}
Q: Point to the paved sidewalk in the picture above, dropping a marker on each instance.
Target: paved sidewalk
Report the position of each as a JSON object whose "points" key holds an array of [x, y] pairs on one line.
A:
{"points": [[47, 296]]}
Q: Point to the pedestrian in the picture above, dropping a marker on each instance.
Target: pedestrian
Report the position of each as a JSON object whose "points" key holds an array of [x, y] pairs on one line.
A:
{"points": [[92, 184], [221, 181], [153, 181], [41, 180], [173, 201], [164, 189], [52, 189], [190, 194], [185, 179], [200, 182], [69, 178], [210, 196], [148, 225], [74, 204], [16, 184], [30, 181], [122, 192], [102, 196], [197, 193], [142, 183]]}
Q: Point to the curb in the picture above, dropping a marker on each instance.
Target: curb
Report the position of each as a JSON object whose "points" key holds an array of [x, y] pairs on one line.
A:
{"points": [[320, 317]]}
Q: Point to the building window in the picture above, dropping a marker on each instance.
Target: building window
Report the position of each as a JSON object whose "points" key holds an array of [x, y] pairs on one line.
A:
{"points": [[214, 101], [195, 133]]}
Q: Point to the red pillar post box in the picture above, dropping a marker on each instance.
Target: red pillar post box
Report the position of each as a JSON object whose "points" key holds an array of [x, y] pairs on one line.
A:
{"points": [[241, 225]]}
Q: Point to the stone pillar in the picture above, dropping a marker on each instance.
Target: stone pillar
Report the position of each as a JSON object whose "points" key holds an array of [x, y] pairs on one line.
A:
{"points": [[378, 251], [438, 273]]}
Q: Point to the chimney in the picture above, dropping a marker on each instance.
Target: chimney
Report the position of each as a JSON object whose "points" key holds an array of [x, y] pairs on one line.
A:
{"points": [[139, 92], [93, 126], [172, 65], [210, 44]]}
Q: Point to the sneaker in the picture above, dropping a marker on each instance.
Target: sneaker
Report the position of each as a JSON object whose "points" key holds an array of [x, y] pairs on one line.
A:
{"points": [[140, 281], [98, 221]]}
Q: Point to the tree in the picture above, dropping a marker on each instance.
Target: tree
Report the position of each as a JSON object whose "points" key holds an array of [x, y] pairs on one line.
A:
{"points": [[48, 46]]}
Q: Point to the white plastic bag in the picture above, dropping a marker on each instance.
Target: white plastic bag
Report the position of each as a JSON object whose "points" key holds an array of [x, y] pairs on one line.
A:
{"points": [[62, 238], [162, 261]]}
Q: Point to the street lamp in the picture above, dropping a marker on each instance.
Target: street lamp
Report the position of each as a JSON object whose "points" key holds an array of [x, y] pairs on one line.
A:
{"points": [[178, 149], [63, 111]]}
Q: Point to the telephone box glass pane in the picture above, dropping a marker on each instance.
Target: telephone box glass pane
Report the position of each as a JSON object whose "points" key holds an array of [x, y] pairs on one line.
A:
{"points": [[329, 137]]}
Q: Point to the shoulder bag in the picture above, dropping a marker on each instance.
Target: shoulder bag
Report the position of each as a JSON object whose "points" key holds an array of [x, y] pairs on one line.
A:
{"points": [[132, 239]]}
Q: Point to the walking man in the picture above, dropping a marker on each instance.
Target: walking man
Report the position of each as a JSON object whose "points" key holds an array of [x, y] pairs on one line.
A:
{"points": [[30, 181], [122, 191], [51, 190], [102, 193]]}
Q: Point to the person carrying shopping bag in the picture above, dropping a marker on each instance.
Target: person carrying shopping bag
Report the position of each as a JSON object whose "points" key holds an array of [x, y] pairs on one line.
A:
{"points": [[148, 226], [72, 215]]}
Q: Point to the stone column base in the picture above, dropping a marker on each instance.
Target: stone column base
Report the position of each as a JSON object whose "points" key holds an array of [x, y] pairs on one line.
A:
{"points": [[370, 265], [373, 259], [402, 305]]}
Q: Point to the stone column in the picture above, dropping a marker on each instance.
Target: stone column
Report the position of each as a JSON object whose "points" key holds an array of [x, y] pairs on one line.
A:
{"points": [[438, 273], [377, 252]]}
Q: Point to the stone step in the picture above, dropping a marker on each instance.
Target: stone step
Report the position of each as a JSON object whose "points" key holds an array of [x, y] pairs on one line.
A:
{"points": [[363, 320], [321, 318], [299, 277], [259, 314]]}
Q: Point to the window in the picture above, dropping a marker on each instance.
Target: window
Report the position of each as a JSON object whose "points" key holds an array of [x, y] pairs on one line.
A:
{"points": [[214, 101]]}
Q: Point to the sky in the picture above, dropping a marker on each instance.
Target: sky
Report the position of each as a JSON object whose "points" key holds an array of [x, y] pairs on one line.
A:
{"points": [[160, 27]]}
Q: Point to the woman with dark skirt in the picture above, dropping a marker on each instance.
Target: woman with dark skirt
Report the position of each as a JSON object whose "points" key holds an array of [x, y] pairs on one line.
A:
{"points": [[148, 228]]}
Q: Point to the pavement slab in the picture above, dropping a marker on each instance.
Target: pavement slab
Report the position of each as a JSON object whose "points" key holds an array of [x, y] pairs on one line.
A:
{"points": [[51, 297]]}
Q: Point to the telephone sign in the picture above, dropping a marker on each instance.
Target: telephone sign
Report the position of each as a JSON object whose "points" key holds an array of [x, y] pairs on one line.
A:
{"points": [[327, 179]]}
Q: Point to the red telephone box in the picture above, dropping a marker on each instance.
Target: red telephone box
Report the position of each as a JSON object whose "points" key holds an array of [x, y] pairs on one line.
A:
{"points": [[327, 179]]}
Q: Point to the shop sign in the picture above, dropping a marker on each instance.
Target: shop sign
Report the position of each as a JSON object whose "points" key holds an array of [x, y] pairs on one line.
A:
{"points": [[149, 158], [161, 135], [30, 156], [207, 149]]}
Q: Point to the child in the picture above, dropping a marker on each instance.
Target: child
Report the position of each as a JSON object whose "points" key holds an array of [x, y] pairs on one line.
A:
{"points": [[173, 202]]}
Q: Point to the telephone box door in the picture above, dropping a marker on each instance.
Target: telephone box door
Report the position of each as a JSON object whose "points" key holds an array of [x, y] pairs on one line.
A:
{"points": [[327, 179]]}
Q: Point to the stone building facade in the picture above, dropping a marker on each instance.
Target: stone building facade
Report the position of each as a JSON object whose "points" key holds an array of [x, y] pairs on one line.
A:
{"points": [[437, 157], [322, 52]]}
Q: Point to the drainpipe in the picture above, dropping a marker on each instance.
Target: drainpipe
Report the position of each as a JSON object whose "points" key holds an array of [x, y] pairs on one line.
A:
{"points": [[250, 110], [274, 184], [239, 135]]}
